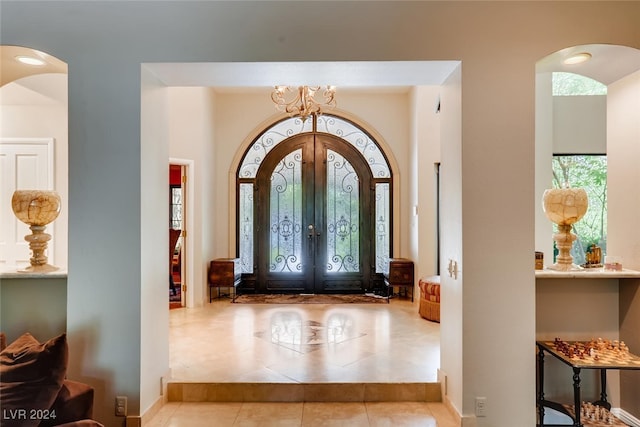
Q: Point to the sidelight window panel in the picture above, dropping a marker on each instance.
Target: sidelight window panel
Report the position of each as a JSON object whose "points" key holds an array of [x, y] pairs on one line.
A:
{"points": [[343, 219], [383, 226], [246, 241]]}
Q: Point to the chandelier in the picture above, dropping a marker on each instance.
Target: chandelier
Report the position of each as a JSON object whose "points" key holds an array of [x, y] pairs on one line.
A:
{"points": [[301, 101]]}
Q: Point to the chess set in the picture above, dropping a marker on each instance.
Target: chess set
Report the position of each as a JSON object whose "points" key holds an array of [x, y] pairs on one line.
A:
{"points": [[592, 415], [596, 352], [601, 354]]}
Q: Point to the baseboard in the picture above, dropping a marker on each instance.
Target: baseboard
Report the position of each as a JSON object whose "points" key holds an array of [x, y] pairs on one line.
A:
{"points": [[452, 410], [134, 421], [153, 410], [626, 417], [155, 407], [469, 421]]}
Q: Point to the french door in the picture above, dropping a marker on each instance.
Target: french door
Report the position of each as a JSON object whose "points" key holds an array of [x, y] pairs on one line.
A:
{"points": [[314, 217]]}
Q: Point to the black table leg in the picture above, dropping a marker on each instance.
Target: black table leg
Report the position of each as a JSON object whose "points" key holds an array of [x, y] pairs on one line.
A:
{"points": [[576, 396], [603, 391], [540, 386]]}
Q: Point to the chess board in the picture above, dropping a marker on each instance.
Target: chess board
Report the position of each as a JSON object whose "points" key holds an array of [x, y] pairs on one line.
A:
{"points": [[606, 359], [586, 422]]}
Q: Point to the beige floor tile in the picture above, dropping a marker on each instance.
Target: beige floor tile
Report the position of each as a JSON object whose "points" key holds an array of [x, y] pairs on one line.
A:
{"points": [[400, 414], [318, 414], [203, 415], [270, 414], [164, 414]]}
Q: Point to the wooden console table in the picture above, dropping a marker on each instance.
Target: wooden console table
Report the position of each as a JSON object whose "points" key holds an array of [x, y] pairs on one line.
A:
{"points": [[400, 274], [224, 273]]}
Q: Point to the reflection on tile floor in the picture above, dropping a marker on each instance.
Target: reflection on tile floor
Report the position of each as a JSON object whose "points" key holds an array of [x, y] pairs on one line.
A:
{"points": [[304, 343]]}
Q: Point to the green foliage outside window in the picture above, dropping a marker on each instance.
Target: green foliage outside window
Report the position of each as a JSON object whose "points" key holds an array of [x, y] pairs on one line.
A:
{"points": [[588, 172], [569, 84]]}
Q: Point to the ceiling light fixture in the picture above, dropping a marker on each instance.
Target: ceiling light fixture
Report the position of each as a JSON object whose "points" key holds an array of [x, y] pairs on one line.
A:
{"points": [[301, 101], [30, 60], [578, 58]]}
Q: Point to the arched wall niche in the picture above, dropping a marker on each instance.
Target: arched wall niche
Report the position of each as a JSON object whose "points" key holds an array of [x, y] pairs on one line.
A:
{"points": [[606, 305], [33, 125], [599, 68], [33, 108]]}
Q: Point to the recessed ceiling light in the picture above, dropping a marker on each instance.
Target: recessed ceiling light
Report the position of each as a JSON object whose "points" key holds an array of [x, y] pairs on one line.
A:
{"points": [[578, 58], [30, 60]]}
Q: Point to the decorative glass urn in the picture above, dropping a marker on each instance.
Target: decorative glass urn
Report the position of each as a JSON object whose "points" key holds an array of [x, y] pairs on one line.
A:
{"points": [[565, 207], [37, 208]]}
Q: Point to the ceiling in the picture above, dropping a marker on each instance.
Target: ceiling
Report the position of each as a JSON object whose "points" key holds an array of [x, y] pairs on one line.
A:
{"points": [[350, 74], [608, 64], [12, 70]]}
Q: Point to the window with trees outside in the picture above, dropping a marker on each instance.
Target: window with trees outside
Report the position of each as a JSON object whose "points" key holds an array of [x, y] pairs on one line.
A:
{"points": [[586, 171]]}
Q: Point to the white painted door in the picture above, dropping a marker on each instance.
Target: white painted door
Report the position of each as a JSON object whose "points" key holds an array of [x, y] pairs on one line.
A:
{"points": [[25, 163]]}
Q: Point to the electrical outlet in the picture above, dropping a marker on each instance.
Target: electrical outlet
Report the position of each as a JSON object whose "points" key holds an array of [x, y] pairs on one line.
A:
{"points": [[121, 406], [481, 406]]}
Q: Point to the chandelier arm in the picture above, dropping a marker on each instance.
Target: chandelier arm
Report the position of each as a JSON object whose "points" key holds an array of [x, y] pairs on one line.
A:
{"points": [[304, 102]]}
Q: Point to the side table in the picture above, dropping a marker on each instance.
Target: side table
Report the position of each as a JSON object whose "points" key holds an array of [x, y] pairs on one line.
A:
{"points": [[400, 275], [224, 273]]}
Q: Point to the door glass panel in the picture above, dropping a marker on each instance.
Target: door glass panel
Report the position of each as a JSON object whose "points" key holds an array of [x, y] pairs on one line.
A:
{"points": [[175, 216], [285, 215], [359, 139], [343, 215], [268, 140], [383, 223], [246, 228]]}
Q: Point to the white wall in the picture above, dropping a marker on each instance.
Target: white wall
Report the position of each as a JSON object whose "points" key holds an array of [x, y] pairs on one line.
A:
{"points": [[192, 120], [543, 168], [104, 44], [426, 153], [154, 234], [580, 124], [623, 141], [451, 291], [238, 118], [623, 138]]}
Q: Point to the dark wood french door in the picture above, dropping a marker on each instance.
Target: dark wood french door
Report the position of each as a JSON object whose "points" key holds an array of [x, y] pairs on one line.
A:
{"points": [[314, 214]]}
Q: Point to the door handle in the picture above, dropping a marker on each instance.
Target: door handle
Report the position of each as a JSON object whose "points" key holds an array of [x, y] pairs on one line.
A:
{"points": [[310, 228]]}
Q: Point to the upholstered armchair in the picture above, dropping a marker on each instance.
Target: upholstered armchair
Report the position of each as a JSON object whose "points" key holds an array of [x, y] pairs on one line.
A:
{"points": [[34, 391]]}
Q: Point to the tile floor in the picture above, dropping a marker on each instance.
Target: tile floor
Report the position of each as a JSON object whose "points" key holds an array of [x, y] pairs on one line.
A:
{"points": [[304, 343], [242, 414], [311, 343]]}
